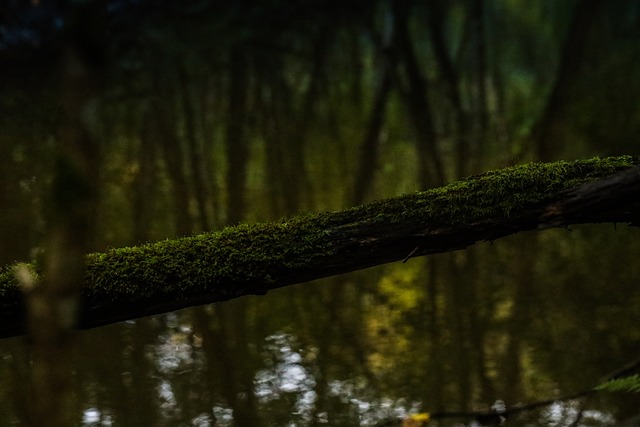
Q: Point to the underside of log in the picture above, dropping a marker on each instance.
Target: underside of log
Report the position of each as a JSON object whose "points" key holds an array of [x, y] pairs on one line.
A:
{"points": [[133, 282]]}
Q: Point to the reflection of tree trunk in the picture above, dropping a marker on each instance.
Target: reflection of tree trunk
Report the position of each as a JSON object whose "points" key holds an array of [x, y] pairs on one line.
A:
{"points": [[323, 340], [211, 92], [466, 322], [350, 324], [194, 148], [15, 226], [297, 142], [547, 133], [237, 143], [321, 387], [144, 184], [286, 167], [99, 362], [286, 127], [274, 161], [524, 260], [164, 112], [480, 74], [457, 317], [6, 217], [434, 324], [477, 323], [142, 383], [501, 136], [370, 148], [174, 161], [452, 82], [416, 96], [228, 359]]}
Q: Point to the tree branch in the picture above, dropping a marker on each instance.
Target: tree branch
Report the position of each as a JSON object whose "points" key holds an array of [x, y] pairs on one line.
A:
{"points": [[133, 282]]}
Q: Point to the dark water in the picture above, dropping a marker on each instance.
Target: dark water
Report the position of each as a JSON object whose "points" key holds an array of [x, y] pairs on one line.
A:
{"points": [[526, 319]]}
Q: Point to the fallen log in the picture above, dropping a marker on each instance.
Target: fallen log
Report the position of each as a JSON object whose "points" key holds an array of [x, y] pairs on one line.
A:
{"points": [[132, 282]]}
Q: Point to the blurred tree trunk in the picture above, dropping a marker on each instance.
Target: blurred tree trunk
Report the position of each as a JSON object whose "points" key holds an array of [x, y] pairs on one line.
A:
{"points": [[416, 96], [286, 118], [145, 182], [164, 112], [285, 160], [479, 53], [211, 92], [477, 324], [434, 322], [456, 317], [274, 162], [524, 259], [370, 148], [237, 139], [14, 233], [451, 79], [461, 302], [298, 171], [125, 349], [52, 305], [224, 331], [548, 132], [369, 151], [142, 380], [224, 340], [196, 158]]}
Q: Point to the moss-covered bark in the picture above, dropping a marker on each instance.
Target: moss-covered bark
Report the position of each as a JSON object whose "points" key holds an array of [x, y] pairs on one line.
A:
{"points": [[137, 281]]}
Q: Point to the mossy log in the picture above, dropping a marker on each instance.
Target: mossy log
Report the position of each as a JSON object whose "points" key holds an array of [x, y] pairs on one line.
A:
{"points": [[133, 282]]}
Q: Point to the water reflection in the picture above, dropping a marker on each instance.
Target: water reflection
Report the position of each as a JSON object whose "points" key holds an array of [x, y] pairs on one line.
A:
{"points": [[94, 417], [573, 413], [343, 352], [305, 369]]}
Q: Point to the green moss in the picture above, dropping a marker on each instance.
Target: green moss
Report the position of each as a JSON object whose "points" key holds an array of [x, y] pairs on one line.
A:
{"points": [[239, 255], [227, 261], [500, 192], [8, 282]]}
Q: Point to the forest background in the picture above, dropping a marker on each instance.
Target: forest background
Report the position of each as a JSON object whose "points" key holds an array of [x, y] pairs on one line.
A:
{"points": [[205, 115]]}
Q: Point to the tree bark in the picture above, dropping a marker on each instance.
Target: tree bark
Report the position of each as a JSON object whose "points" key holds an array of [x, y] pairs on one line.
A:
{"points": [[133, 282]]}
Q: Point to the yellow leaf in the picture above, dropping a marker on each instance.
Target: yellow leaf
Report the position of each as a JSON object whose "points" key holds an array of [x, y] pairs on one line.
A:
{"points": [[417, 420]]}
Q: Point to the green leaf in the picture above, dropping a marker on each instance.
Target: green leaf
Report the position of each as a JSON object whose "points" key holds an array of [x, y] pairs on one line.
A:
{"points": [[625, 384]]}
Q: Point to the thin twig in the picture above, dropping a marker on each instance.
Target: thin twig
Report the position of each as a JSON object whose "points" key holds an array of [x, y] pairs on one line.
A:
{"points": [[411, 254]]}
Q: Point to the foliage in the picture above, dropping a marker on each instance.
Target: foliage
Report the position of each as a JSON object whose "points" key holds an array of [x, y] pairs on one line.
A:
{"points": [[629, 384]]}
